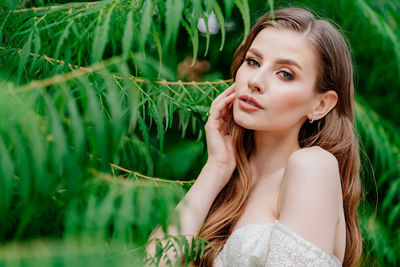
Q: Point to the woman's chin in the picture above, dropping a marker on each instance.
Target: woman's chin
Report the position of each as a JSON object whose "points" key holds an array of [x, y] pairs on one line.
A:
{"points": [[242, 122]]}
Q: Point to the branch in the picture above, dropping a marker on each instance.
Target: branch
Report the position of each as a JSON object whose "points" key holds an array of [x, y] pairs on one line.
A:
{"points": [[34, 9], [49, 59], [96, 66], [64, 77], [151, 178]]}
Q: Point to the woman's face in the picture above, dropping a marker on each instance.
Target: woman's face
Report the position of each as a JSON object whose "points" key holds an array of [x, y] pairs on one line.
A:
{"points": [[279, 72]]}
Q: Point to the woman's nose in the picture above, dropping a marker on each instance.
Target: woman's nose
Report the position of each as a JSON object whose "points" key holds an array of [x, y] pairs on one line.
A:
{"points": [[256, 81]]}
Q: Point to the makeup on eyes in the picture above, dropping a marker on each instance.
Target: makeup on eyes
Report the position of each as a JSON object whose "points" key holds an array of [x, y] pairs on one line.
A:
{"points": [[252, 62], [288, 74], [289, 77], [279, 61]]}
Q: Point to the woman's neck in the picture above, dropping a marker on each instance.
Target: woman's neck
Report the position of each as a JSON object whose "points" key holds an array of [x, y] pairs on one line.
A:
{"points": [[272, 150]]}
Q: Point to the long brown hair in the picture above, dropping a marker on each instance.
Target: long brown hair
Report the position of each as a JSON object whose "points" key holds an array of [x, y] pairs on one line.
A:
{"points": [[334, 133]]}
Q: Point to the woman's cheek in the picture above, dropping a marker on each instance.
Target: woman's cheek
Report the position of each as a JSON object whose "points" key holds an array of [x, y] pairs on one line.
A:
{"points": [[236, 114], [290, 100], [240, 74]]}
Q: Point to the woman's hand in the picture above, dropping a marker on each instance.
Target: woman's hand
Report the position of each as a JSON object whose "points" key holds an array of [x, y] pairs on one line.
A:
{"points": [[212, 178], [219, 140]]}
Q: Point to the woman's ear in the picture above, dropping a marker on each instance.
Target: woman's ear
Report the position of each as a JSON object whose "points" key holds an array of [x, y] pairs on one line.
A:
{"points": [[326, 102]]}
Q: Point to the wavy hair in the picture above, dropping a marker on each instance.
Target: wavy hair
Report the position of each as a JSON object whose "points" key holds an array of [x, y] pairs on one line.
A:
{"points": [[334, 133]]}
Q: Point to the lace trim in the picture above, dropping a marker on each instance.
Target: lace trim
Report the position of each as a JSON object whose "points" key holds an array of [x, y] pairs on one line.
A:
{"points": [[307, 244]]}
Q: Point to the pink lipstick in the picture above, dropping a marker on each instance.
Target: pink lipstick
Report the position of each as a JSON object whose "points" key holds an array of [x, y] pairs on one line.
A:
{"points": [[248, 103]]}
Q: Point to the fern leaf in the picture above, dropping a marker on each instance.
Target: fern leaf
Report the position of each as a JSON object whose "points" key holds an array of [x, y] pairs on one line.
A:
{"points": [[208, 5], [196, 9], [173, 17], [2, 26], [76, 127], [116, 113], [391, 194], [144, 130], [205, 18], [193, 34], [132, 93], [101, 37], [36, 45], [159, 50], [271, 8], [245, 11], [57, 137], [26, 49], [383, 27], [61, 40], [220, 19], [7, 179], [229, 4], [95, 115], [394, 214], [146, 22], [128, 33]]}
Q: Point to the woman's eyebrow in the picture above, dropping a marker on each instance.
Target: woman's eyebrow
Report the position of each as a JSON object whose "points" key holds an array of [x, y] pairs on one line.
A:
{"points": [[279, 61], [256, 53], [287, 61]]}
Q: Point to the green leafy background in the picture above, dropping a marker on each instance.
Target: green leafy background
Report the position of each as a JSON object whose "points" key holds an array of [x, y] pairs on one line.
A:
{"points": [[99, 138]]}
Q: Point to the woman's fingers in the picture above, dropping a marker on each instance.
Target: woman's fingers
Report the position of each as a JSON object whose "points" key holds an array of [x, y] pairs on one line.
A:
{"points": [[219, 110], [224, 94]]}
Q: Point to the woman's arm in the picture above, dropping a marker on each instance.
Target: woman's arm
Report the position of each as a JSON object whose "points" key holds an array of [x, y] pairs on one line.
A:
{"points": [[309, 205], [194, 208], [311, 195]]}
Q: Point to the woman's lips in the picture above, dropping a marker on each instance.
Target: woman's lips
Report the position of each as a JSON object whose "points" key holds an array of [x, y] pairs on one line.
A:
{"points": [[248, 103]]}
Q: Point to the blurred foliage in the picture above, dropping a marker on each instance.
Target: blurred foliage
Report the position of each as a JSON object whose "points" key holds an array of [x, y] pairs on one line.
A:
{"points": [[99, 141]]}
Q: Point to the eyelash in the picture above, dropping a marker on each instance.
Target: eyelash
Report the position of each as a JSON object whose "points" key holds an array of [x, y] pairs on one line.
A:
{"points": [[254, 63], [291, 77]]}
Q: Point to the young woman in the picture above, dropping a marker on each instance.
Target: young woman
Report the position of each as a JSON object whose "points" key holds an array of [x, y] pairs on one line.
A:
{"points": [[281, 185]]}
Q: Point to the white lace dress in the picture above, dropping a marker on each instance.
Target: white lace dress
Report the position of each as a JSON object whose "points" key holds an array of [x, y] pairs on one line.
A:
{"points": [[272, 245]]}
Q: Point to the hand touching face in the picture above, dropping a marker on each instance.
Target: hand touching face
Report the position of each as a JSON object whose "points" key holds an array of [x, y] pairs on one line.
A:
{"points": [[219, 140]]}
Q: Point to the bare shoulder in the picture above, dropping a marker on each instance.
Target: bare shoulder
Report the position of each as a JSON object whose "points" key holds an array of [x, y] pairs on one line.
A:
{"points": [[314, 157], [313, 167], [310, 196]]}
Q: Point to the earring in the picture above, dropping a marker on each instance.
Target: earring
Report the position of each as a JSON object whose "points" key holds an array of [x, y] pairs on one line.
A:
{"points": [[312, 119]]}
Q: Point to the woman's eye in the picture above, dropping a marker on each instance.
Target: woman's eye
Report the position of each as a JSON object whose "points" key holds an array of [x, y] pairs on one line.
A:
{"points": [[286, 75], [252, 62]]}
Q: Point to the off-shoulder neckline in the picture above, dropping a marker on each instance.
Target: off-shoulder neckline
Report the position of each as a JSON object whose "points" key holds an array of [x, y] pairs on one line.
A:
{"points": [[296, 235]]}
